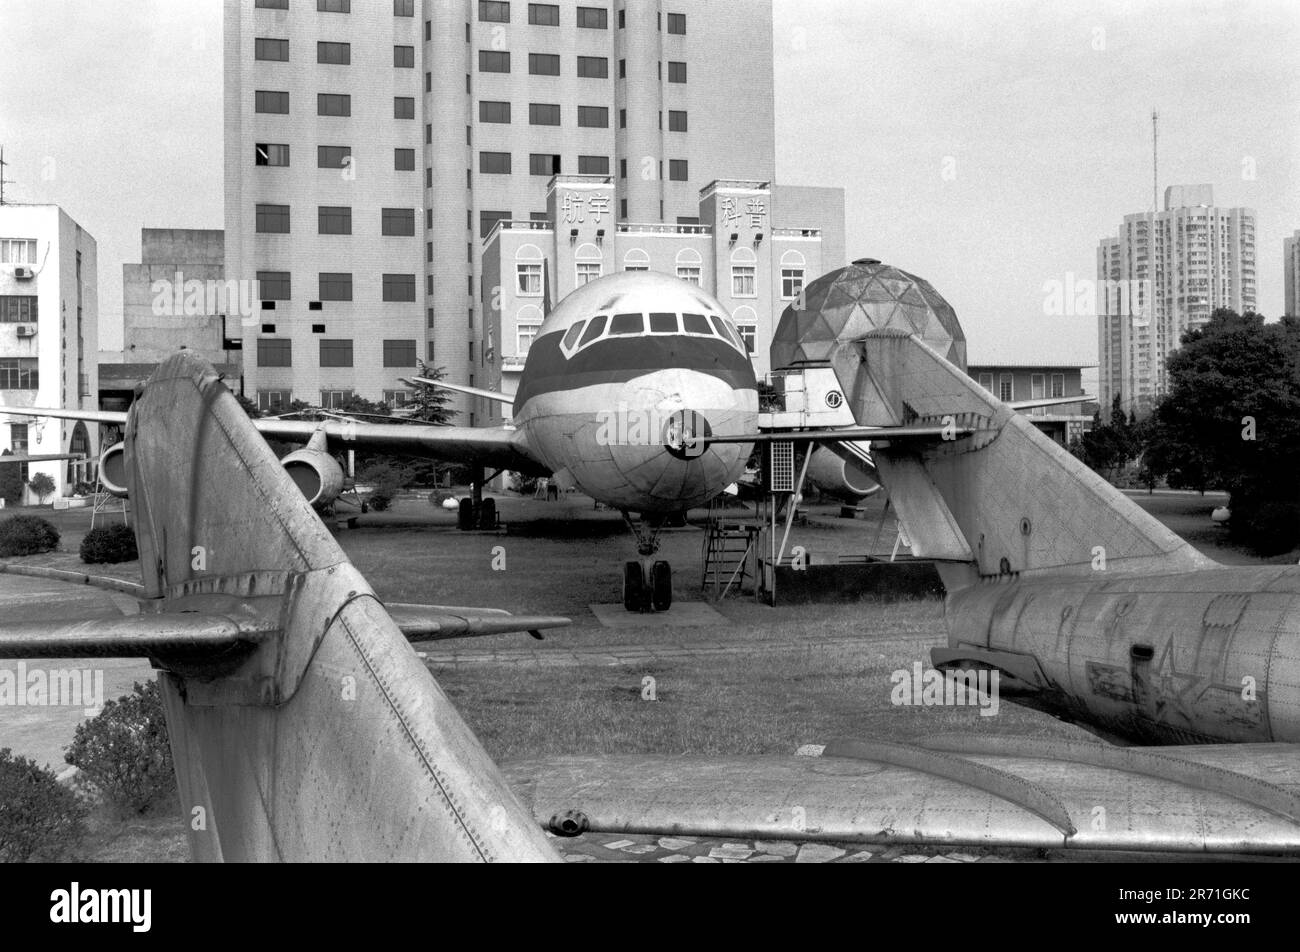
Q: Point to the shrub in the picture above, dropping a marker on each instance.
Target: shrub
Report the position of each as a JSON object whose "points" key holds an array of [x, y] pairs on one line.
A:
{"points": [[1270, 527], [27, 535], [112, 544], [380, 500], [42, 484], [39, 817], [123, 752], [387, 480]]}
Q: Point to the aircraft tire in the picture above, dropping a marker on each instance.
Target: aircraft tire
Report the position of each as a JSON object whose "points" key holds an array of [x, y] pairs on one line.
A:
{"points": [[465, 515], [661, 587], [487, 514], [634, 587]]}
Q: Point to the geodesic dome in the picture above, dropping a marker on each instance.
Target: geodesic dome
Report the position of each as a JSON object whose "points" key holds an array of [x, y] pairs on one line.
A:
{"points": [[845, 304]]}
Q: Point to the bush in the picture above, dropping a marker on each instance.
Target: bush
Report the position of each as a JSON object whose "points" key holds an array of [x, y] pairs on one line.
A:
{"points": [[27, 535], [380, 501], [39, 817], [109, 544], [42, 484], [123, 752], [1269, 527], [387, 480]]}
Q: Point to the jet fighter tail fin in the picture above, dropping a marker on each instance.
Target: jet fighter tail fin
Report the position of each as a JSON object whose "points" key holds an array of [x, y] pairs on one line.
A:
{"points": [[1004, 499]]}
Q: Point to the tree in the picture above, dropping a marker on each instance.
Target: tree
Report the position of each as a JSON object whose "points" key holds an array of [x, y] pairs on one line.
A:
{"points": [[249, 406], [1110, 447], [432, 403], [1231, 418], [42, 484]]}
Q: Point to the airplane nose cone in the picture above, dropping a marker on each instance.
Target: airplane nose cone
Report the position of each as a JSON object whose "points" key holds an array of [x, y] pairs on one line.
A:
{"points": [[685, 434]]}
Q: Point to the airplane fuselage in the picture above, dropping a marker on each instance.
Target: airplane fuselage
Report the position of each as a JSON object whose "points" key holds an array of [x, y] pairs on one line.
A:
{"points": [[1195, 657], [623, 379]]}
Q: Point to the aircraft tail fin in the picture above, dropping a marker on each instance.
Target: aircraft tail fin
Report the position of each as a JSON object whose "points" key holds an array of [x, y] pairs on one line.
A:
{"points": [[329, 739], [1005, 499]]}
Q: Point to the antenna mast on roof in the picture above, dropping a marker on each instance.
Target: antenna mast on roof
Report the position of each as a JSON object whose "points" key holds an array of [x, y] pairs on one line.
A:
{"points": [[3, 181]]}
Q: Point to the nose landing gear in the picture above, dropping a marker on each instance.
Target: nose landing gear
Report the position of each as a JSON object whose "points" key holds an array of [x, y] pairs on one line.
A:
{"points": [[647, 582]]}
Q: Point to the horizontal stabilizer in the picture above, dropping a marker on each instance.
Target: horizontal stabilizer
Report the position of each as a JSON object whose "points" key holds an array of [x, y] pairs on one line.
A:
{"points": [[901, 433], [132, 636], [108, 417], [439, 622], [492, 395]]}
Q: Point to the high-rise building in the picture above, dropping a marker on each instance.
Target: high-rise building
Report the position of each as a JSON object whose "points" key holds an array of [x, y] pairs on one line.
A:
{"points": [[372, 148], [1291, 272], [1162, 275], [49, 338]]}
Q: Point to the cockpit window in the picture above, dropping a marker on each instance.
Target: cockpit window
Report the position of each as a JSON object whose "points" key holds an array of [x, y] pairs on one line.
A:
{"points": [[571, 338], [722, 329], [663, 323], [627, 324], [696, 324], [594, 329]]}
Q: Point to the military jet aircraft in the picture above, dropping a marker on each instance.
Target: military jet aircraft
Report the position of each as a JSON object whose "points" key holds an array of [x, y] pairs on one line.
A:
{"points": [[304, 727]]}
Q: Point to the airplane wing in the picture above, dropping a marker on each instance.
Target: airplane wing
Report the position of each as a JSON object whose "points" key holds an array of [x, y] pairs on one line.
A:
{"points": [[929, 434], [973, 791], [487, 446], [303, 726], [503, 398]]}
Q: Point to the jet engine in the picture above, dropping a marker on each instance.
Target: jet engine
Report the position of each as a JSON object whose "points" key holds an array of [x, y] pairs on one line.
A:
{"points": [[850, 480], [316, 473], [112, 470]]}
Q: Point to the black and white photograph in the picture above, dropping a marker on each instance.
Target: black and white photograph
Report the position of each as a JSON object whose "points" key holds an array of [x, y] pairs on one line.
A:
{"points": [[651, 431]]}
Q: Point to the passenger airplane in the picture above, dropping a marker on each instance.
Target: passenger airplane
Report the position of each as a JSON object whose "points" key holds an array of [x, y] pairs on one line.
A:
{"points": [[304, 728]]}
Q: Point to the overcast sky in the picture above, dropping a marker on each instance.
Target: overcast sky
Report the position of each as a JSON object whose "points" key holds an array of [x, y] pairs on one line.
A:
{"points": [[984, 145]]}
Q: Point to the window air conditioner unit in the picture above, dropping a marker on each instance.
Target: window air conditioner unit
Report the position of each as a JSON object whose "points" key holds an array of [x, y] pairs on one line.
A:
{"points": [[26, 330], [24, 274]]}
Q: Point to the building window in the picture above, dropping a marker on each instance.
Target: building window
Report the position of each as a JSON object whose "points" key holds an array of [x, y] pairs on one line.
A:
{"points": [[404, 160], [593, 117], [543, 114], [18, 251], [636, 260], [395, 399], [333, 104], [398, 221], [742, 281], [335, 353], [1006, 388], [19, 373], [748, 335], [273, 219], [333, 156], [593, 67], [272, 4], [273, 285], [1058, 385], [337, 399], [543, 164], [404, 57], [494, 163], [593, 165], [676, 72], [678, 170], [529, 277], [587, 271], [399, 353], [544, 14], [399, 287], [791, 283], [525, 334], [676, 120], [622, 168], [622, 18], [593, 18], [403, 107], [493, 61], [622, 118], [265, 100], [544, 64], [493, 11], [335, 286], [334, 6], [689, 272], [339, 54], [488, 220], [271, 153], [274, 50], [986, 381], [274, 352], [677, 24], [274, 401], [493, 111], [622, 69], [404, 8], [18, 309]]}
